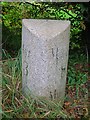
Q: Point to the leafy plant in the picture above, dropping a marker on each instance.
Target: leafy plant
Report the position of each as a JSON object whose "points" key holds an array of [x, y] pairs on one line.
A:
{"points": [[14, 12]]}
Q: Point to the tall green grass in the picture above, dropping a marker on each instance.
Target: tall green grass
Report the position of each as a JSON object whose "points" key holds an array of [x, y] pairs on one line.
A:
{"points": [[16, 105]]}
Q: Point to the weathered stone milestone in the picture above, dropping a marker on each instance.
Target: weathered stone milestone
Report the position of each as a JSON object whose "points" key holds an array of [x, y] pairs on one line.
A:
{"points": [[45, 47]]}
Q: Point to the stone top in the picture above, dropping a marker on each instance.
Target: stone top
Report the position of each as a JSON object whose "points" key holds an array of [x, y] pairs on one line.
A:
{"points": [[46, 28]]}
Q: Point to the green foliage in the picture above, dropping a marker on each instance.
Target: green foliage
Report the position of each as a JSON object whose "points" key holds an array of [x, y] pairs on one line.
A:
{"points": [[14, 12], [66, 12], [12, 15], [76, 78], [77, 72], [11, 26]]}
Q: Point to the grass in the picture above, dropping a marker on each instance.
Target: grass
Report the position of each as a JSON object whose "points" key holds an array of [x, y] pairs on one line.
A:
{"points": [[15, 105]]}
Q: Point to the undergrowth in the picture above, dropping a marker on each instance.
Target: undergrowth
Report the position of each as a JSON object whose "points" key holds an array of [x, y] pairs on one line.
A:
{"points": [[16, 105]]}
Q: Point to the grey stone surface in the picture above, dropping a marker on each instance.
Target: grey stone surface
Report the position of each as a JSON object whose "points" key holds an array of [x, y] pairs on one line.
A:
{"points": [[45, 46]]}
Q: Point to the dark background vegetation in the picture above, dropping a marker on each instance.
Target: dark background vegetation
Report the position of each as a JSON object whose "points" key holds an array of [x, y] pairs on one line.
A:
{"points": [[14, 12]]}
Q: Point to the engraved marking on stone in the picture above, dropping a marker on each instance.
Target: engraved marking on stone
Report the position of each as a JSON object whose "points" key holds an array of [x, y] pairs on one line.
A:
{"points": [[29, 53], [62, 71], [63, 68], [52, 52], [23, 46], [26, 69], [51, 96], [57, 56], [55, 94]]}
